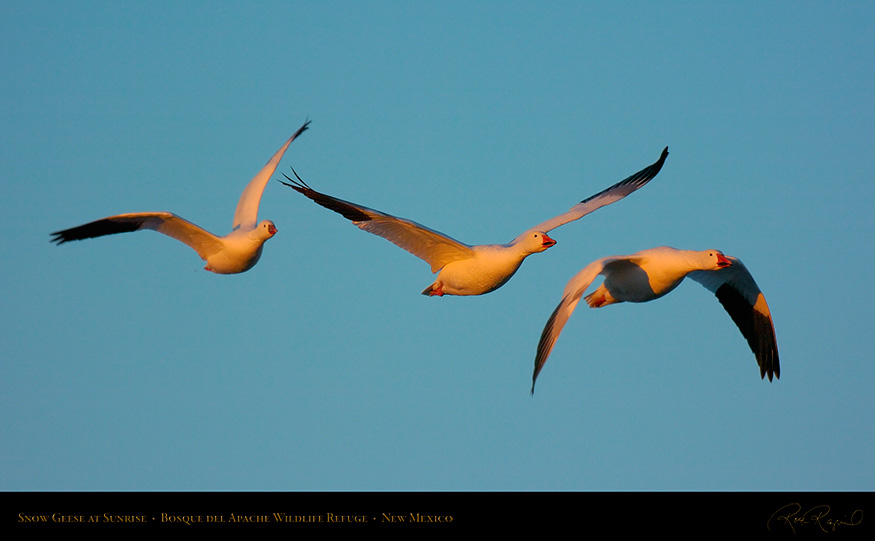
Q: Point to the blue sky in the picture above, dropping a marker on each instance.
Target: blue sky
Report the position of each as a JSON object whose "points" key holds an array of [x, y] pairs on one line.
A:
{"points": [[125, 366]]}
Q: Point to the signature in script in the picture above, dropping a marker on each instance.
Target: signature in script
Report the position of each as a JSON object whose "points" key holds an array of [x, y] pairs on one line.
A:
{"points": [[794, 516]]}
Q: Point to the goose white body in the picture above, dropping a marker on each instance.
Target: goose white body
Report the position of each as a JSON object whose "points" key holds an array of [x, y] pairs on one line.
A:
{"points": [[464, 269], [651, 274], [233, 253]]}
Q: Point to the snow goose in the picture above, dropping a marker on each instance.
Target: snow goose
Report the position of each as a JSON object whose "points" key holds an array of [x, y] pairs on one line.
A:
{"points": [[236, 252], [466, 269], [650, 274]]}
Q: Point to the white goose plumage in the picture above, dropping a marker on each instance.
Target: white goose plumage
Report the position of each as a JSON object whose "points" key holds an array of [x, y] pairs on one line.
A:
{"points": [[650, 274], [466, 269], [236, 252]]}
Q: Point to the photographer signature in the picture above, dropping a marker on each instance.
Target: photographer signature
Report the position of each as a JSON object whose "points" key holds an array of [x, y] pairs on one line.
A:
{"points": [[791, 515]]}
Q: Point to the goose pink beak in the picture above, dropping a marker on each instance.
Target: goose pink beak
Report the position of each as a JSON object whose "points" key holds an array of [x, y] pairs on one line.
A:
{"points": [[547, 241], [271, 229], [722, 262]]}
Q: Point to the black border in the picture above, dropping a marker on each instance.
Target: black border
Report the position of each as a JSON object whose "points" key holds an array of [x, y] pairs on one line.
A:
{"points": [[793, 514]]}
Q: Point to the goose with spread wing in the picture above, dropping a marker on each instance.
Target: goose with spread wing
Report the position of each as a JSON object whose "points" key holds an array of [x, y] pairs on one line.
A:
{"points": [[236, 252], [650, 274], [465, 269]]}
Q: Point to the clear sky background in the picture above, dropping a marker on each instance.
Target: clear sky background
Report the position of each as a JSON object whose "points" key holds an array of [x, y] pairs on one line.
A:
{"points": [[125, 366]]}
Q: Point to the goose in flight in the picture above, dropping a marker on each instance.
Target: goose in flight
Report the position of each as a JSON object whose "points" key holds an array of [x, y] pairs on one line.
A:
{"points": [[236, 252], [650, 274], [466, 269]]}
